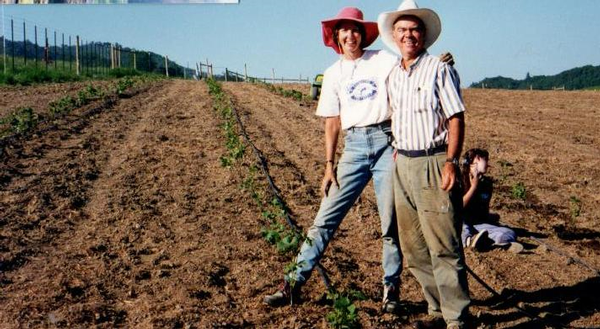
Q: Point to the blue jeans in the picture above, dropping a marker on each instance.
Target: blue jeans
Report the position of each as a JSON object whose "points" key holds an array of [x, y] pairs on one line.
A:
{"points": [[367, 155]]}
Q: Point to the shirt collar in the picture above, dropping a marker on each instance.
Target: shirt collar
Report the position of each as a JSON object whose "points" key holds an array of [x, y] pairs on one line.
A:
{"points": [[414, 64]]}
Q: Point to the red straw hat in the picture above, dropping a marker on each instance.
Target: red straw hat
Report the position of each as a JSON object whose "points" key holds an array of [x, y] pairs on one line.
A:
{"points": [[349, 14]]}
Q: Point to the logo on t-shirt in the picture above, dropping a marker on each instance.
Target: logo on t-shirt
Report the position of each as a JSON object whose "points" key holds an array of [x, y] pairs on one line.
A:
{"points": [[362, 89]]}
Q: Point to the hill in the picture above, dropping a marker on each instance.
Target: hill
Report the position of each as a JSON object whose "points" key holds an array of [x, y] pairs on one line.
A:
{"points": [[586, 77]]}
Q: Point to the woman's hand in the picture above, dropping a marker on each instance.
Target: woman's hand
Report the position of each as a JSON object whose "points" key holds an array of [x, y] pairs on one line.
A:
{"points": [[328, 179]]}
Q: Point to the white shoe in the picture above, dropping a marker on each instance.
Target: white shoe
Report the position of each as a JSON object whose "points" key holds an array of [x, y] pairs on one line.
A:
{"points": [[477, 241]]}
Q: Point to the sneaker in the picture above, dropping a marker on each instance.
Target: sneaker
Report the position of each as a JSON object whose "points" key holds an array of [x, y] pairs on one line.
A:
{"points": [[515, 248], [477, 241], [391, 300], [454, 325], [285, 295]]}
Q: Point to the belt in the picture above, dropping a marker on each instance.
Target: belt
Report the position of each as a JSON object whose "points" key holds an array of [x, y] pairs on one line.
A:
{"points": [[381, 125], [422, 153]]}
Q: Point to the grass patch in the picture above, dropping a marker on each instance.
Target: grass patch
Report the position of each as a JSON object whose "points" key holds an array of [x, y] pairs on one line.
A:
{"points": [[28, 75]]}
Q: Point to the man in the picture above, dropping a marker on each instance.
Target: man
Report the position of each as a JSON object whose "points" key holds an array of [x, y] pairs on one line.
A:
{"points": [[428, 127]]}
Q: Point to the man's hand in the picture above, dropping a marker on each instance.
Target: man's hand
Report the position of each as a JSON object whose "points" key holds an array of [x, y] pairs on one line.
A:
{"points": [[328, 179], [447, 58], [448, 176]]}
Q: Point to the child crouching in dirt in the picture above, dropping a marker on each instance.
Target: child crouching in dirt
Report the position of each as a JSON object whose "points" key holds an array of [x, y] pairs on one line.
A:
{"points": [[477, 232]]}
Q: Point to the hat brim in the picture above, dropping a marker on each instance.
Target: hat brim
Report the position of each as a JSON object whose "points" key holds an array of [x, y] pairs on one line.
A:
{"points": [[371, 32], [433, 26]]}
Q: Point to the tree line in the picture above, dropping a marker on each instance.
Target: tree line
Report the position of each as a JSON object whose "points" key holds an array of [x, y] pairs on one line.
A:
{"points": [[586, 77]]}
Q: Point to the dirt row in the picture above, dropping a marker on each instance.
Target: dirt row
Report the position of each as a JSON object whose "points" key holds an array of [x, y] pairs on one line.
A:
{"points": [[127, 218]]}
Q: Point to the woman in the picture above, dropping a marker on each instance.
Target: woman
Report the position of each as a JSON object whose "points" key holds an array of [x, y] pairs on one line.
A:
{"points": [[353, 99]]}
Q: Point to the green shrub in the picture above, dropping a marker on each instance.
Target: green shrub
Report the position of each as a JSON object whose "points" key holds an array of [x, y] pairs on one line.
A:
{"points": [[344, 314], [518, 191], [62, 106], [575, 207], [20, 121]]}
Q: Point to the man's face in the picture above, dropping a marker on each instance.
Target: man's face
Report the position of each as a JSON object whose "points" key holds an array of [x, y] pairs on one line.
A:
{"points": [[349, 37], [409, 36]]}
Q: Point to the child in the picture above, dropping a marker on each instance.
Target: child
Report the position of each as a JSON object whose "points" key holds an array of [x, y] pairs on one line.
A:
{"points": [[476, 233]]}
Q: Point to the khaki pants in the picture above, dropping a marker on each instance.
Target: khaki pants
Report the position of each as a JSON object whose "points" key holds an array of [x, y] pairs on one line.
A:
{"points": [[429, 228]]}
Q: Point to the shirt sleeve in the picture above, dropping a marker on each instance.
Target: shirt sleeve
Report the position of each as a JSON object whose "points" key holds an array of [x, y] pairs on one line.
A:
{"points": [[448, 83], [329, 100]]}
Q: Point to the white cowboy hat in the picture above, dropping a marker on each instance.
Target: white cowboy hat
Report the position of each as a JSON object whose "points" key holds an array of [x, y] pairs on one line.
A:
{"points": [[433, 25]]}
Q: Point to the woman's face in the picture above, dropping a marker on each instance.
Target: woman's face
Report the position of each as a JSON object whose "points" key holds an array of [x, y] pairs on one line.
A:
{"points": [[480, 165], [349, 38]]}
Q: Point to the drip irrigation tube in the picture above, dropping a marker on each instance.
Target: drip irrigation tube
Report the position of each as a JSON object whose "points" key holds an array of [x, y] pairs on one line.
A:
{"points": [[264, 168]]}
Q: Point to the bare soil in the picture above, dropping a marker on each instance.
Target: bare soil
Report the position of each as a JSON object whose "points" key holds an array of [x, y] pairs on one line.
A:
{"points": [[126, 218]]}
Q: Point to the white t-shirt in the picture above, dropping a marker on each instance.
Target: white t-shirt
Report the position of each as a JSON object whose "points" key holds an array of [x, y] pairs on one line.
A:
{"points": [[355, 89]]}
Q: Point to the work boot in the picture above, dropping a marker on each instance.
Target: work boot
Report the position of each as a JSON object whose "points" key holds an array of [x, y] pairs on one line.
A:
{"points": [[391, 300], [285, 295]]}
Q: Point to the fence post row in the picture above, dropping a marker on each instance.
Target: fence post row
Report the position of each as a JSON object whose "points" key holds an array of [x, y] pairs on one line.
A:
{"points": [[91, 57]]}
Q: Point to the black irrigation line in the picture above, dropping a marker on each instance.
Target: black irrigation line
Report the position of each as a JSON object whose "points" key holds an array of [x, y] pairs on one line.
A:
{"points": [[551, 248], [264, 168], [571, 258], [497, 295]]}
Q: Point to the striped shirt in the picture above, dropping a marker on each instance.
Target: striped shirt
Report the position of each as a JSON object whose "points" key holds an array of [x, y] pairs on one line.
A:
{"points": [[422, 99]]}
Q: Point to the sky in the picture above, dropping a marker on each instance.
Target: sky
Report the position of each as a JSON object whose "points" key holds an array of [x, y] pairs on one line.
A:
{"points": [[488, 38]]}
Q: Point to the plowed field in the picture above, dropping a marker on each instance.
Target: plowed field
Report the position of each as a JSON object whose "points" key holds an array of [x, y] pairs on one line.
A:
{"points": [[126, 218]]}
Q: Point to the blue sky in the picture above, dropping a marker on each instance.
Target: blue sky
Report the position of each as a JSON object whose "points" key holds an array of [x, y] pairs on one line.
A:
{"points": [[488, 38]]}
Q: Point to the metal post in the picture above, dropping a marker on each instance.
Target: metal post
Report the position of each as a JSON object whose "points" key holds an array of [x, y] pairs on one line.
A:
{"points": [[24, 45], [12, 38], [36, 47], [46, 47], [83, 59], [55, 57], [70, 55], [273, 76], [77, 64], [63, 50], [245, 72], [3, 41], [135, 60], [226, 74]]}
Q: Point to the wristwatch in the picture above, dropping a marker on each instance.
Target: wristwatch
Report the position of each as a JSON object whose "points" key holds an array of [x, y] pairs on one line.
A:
{"points": [[454, 161]]}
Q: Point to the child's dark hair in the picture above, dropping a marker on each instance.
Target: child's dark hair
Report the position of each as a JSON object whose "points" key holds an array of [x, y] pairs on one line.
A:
{"points": [[467, 161]]}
